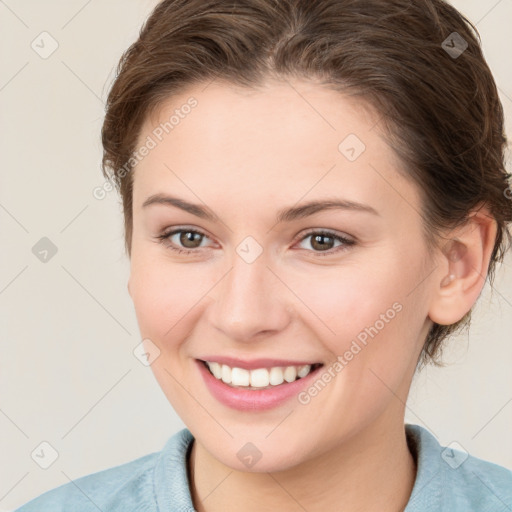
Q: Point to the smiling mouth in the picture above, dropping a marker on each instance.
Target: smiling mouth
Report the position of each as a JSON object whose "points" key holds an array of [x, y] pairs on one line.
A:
{"points": [[259, 378]]}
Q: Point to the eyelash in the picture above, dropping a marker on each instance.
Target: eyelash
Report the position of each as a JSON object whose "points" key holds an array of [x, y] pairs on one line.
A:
{"points": [[346, 242]]}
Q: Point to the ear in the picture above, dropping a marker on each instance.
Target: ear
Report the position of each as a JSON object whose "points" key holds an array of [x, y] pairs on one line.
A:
{"points": [[462, 270]]}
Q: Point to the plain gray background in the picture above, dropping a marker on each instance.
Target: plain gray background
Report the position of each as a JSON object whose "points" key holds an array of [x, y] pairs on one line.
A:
{"points": [[68, 375]]}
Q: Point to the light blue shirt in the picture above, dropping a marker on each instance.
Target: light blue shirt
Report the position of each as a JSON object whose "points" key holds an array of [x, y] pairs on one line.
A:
{"points": [[446, 480]]}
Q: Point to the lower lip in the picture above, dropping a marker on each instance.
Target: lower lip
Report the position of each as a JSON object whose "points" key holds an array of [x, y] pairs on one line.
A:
{"points": [[253, 400]]}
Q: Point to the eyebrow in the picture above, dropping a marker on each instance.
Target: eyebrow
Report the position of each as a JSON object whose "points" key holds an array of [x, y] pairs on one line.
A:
{"points": [[284, 215]]}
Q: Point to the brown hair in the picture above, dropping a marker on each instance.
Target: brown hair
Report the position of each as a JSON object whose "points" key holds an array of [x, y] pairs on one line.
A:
{"points": [[441, 109]]}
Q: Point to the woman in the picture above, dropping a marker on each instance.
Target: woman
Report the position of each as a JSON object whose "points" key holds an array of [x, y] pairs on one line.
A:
{"points": [[314, 194]]}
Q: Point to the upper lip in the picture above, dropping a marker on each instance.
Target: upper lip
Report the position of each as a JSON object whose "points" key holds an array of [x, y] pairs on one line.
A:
{"points": [[253, 364]]}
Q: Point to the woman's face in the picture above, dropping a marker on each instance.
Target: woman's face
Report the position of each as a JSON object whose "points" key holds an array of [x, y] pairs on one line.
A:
{"points": [[270, 283]]}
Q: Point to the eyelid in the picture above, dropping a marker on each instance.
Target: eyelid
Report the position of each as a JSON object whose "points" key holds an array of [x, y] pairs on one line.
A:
{"points": [[345, 239], [165, 235], [325, 231]]}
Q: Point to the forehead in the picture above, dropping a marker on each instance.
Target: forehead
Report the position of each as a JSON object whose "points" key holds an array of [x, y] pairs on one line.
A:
{"points": [[277, 114], [282, 141]]}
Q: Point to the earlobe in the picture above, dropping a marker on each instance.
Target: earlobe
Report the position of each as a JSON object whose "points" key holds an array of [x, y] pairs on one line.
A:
{"points": [[462, 271]]}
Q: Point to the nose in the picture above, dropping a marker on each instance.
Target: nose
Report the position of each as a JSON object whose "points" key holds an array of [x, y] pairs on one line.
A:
{"points": [[250, 303]]}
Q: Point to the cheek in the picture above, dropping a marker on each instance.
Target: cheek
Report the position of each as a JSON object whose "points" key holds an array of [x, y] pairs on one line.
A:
{"points": [[368, 319], [167, 301], [166, 297], [344, 302]]}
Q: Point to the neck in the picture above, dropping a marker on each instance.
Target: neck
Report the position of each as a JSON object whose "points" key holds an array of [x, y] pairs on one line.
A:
{"points": [[371, 471]]}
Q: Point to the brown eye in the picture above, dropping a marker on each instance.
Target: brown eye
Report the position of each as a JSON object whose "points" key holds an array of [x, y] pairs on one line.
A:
{"points": [[182, 240], [322, 242], [190, 239], [325, 242]]}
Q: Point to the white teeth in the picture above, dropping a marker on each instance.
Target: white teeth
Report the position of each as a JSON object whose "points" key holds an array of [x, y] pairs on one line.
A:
{"points": [[239, 377], [303, 370], [258, 378], [226, 374], [290, 373], [216, 369], [276, 376]]}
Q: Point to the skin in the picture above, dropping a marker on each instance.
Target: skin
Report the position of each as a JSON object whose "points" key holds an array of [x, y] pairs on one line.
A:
{"points": [[246, 154]]}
